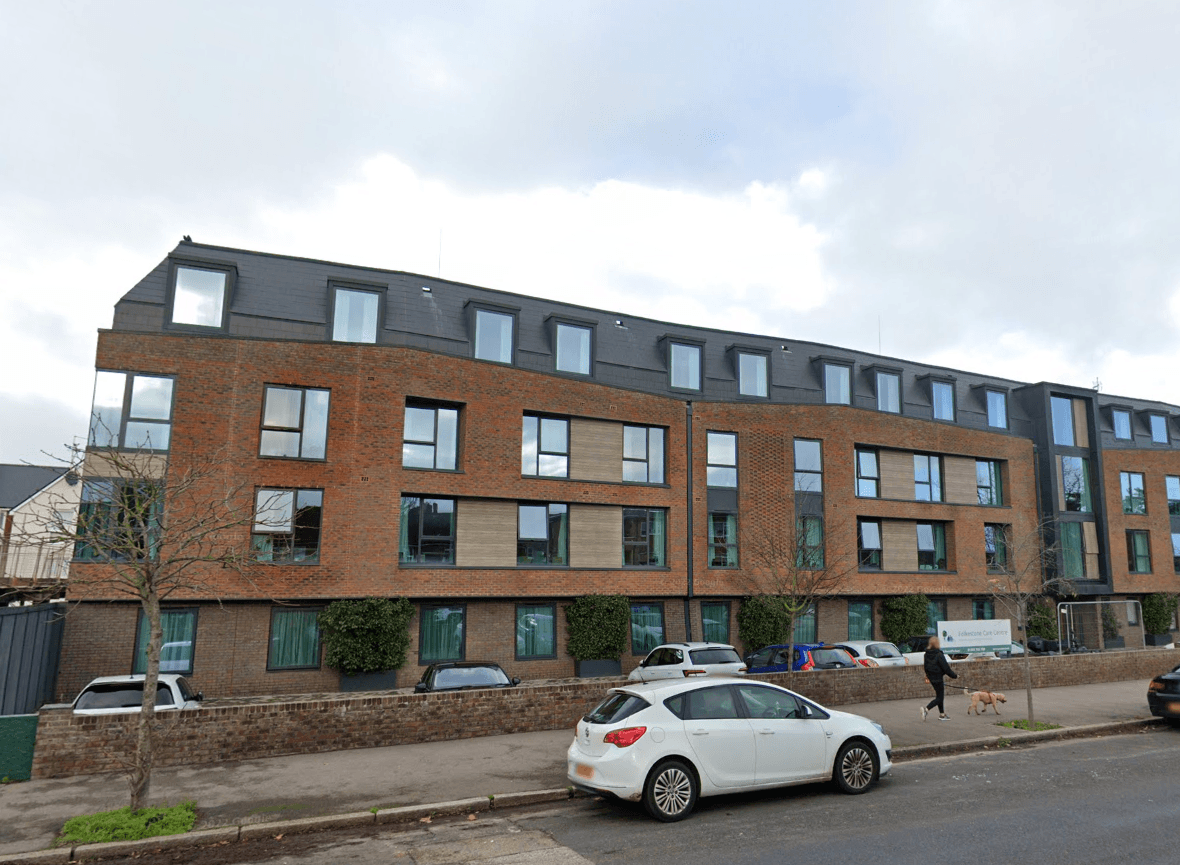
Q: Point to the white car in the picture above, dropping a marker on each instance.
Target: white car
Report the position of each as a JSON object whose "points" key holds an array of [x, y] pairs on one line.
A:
{"points": [[667, 743], [108, 695], [680, 660], [873, 653]]}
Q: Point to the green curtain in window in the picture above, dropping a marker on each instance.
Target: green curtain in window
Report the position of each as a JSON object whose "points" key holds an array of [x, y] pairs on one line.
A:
{"points": [[805, 627], [647, 627], [715, 622], [935, 613], [656, 538], [294, 639], [723, 546], [176, 654], [1072, 564], [860, 620], [940, 547], [810, 553], [442, 634], [535, 635]]}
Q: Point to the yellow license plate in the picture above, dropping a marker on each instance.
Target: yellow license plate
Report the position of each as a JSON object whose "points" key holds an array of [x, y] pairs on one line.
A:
{"points": [[583, 771]]}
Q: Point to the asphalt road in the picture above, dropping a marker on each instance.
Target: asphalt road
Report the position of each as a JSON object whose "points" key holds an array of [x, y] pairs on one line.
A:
{"points": [[1083, 801]]}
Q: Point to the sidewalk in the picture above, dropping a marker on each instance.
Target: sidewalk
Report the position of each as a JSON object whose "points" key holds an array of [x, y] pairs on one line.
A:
{"points": [[343, 782]]}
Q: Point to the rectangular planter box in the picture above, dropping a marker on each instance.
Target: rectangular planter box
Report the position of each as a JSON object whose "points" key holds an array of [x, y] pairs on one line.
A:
{"points": [[605, 667], [383, 681], [1157, 639], [1114, 643]]}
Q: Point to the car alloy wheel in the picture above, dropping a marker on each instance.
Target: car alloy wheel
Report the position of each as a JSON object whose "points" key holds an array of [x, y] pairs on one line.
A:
{"points": [[856, 767], [671, 792]]}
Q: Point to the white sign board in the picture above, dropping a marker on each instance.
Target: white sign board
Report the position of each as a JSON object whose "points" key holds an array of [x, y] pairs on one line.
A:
{"points": [[972, 638]]}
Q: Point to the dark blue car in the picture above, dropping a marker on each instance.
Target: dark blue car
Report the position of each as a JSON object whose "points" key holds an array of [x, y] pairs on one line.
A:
{"points": [[808, 656]]}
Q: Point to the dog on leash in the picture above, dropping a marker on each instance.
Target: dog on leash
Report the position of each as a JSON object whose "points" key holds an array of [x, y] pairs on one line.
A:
{"points": [[985, 699]]}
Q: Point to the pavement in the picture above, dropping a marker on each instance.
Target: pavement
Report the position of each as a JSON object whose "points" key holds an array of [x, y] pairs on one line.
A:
{"points": [[402, 783]]}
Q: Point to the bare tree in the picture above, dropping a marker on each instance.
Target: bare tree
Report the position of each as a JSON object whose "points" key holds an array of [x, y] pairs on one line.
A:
{"points": [[151, 526]]}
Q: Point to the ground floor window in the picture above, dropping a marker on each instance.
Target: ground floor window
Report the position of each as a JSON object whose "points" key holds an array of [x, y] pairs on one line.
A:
{"points": [[935, 613], [805, 626], [647, 627], [983, 608], [440, 636], [860, 620], [294, 640], [715, 621], [536, 631], [176, 653]]}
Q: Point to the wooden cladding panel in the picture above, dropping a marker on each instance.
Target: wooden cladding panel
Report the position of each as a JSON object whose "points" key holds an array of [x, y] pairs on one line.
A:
{"points": [[899, 546], [1081, 434], [596, 537], [958, 480], [897, 474], [596, 450], [485, 534], [1090, 544]]}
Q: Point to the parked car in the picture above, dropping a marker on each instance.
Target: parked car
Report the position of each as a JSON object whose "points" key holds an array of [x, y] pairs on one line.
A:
{"points": [[808, 656], [107, 695], [669, 742], [913, 649], [677, 660], [457, 675], [873, 653], [1163, 696]]}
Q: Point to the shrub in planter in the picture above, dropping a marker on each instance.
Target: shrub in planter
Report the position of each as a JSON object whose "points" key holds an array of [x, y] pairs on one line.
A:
{"points": [[1111, 637], [598, 626], [370, 635], [1042, 620], [1157, 617], [763, 620], [904, 616]]}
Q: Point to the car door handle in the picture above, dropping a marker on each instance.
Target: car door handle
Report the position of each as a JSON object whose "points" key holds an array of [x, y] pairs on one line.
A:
{"points": [[700, 732], [766, 732]]}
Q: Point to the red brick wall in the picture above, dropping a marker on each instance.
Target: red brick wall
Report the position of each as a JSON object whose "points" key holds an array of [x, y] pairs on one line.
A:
{"points": [[1154, 466]]}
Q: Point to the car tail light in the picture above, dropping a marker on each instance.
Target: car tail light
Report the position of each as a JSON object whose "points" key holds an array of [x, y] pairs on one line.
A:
{"points": [[1155, 686], [624, 738], [810, 665], [743, 669], [867, 662], [694, 672]]}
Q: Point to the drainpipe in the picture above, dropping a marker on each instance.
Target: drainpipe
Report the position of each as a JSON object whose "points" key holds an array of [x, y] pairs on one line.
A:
{"points": [[689, 543]]}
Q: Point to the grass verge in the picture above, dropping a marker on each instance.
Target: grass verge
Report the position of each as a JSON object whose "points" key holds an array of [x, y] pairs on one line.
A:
{"points": [[1022, 724], [124, 825]]}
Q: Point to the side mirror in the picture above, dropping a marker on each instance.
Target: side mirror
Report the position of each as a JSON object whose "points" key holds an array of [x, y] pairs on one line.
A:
{"points": [[420, 688], [515, 680], [200, 696]]}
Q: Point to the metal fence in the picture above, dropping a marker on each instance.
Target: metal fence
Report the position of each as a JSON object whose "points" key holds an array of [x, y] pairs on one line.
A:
{"points": [[1093, 626], [30, 649]]}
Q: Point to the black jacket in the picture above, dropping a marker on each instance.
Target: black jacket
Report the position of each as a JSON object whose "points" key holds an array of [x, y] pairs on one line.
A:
{"points": [[936, 665]]}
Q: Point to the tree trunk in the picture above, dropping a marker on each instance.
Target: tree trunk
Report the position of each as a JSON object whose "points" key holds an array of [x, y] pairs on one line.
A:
{"points": [[139, 778], [1027, 667]]}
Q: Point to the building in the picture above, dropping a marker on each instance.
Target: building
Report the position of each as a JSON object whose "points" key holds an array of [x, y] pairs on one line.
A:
{"points": [[34, 564], [492, 456]]}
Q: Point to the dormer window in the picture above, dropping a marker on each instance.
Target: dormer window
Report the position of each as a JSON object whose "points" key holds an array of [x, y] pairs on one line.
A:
{"points": [[837, 384], [942, 398], [684, 365], [198, 296], [355, 315]]}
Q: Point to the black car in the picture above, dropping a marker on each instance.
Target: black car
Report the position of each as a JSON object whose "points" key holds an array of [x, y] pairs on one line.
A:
{"points": [[457, 675], [1163, 696]]}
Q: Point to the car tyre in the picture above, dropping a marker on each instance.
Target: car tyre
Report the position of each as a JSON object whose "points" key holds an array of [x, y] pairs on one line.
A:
{"points": [[670, 792], [856, 768]]}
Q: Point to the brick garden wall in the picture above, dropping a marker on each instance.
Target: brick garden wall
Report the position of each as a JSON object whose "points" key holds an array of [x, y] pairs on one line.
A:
{"points": [[79, 745]]}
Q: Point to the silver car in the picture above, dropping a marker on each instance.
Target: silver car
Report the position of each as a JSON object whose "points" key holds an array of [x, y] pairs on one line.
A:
{"points": [[680, 660], [874, 653], [108, 695]]}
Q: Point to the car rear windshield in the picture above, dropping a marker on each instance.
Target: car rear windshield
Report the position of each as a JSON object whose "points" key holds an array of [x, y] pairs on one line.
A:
{"points": [[615, 708], [830, 656], [881, 650], [121, 695], [469, 677], [714, 656]]}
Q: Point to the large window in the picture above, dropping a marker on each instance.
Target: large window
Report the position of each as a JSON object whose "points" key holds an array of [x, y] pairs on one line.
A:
{"points": [[354, 315], [1138, 552], [430, 437], [1173, 487], [294, 423], [995, 548], [644, 541], [573, 349], [1062, 412], [943, 397], [809, 542], [889, 392], [868, 475], [927, 478], [1122, 423], [753, 378], [545, 447], [287, 525], [1075, 482], [198, 297], [647, 627], [118, 520], [493, 335], [869, 544], [294, 639], [684, 362], [809, 466], [131, 411], [1131, 488], [721, 469], [1159, 429], [983, 609], [176, 652], [440, 635], [643, 454], [723, 541], [997, 409], [837, 384], [715, 621], [1073, 551], [543, 535], [988, 486], [935, 613], [536, 631], [805, 626], [426, 531], [931, 547], [860, 620]]}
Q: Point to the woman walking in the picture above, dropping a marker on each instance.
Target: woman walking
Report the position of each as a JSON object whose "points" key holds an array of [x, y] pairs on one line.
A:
{"points": [[936, 665]]}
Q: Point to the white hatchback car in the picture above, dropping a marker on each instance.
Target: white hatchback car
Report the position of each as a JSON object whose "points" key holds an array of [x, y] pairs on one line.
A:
{"points": [[667, 743], [679, 660], [873, 653], [107, 695]]}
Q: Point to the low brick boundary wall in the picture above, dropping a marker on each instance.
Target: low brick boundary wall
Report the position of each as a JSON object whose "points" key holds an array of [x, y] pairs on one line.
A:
{"points": [[69, 744]]}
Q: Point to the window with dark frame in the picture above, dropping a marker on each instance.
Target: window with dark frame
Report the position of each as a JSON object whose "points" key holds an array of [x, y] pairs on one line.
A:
{"points": [[643, 454], [997, 409], [1073, 550], [684, 364], [1121, 419], [118, 520], [545, 447], [176, 650], [995, 548], [494, 336], [860, 620], [573, 348], [1061, 410], [131, 411], [935, 613], [983, 609], [294, 639], [868, 533], [723, 540], [809, 542], [1133, 492], [536, 631], [441, 633], [647, 627], [1159, 429], [753, 377], [294, 423], [1172, 485], [430, 437], [644, 537], [942, 395], [1138, 552], [927, 478], [809, 466], [889, 392], [721, 460], [287, 525], [715, 621], [542, 535], [1176, 552], [355, 315], [426, 531], [1075, 482], [868, 474], [199, 297], [837, 384], [988, 486], [931, 547]]}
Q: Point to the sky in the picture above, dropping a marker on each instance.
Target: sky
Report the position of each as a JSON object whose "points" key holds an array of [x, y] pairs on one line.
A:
{"points": [[989, 186]]}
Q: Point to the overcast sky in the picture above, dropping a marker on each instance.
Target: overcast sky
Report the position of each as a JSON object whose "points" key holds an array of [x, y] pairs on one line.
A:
{"points": [[988, 186]]}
